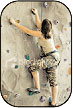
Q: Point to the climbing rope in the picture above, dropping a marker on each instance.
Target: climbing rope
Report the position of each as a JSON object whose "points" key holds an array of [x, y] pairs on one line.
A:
{"points": [[41, 11]]}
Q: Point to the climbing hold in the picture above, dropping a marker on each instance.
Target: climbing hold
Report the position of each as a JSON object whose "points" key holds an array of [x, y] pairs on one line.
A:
{"points": [[16, 66], [70, 70], [70, 24], [66, 29], [4, 96], [17, 95], [57, 46], [68, 89], [68, 42], [33, 12], [7, 51], [45, 4], [65, 59], [56, 22], [17, 21], [44, 85], [43, 98], [65, 97], [27, 57], [50, 99]]}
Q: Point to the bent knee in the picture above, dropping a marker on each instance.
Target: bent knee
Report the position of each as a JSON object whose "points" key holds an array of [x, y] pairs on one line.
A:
{"points": [[32, 69], [52, 83]]}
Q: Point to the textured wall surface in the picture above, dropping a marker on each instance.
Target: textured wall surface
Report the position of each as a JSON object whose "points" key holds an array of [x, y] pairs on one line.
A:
{"points": [[15, 44]]}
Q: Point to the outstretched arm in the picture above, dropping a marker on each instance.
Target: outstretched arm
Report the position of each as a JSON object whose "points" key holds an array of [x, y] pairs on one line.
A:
{"points": [[38, 22], [26, 30]]}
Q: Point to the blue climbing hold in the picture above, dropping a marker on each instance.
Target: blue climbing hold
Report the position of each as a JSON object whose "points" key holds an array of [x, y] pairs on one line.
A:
{"points": [[50, 99], [27, 57]]}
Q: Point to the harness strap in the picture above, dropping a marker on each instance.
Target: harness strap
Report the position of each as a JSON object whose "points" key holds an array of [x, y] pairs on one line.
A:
{"points": [[45, 55], [50, 53]]}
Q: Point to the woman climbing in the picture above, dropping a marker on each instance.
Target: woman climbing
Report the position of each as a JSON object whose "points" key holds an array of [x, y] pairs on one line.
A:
{"points": [[51, 58]]}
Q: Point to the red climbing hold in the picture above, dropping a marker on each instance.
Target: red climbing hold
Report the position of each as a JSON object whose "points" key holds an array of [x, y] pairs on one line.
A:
{"points": [[57, 46]]}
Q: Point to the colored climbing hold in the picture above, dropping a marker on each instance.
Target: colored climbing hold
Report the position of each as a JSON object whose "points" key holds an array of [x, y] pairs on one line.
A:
{"points": [[68, 42], [16, 66], [65, 59], [50, 99], [17, 21], [27, 57], [44, 85], [17, 95], [70, 24], [65, 97], [43, 98], [68, 89], [7, 51], [57, 46], [4, 96], [56, 22], [70, 70], [66, 29], [45, 4]]}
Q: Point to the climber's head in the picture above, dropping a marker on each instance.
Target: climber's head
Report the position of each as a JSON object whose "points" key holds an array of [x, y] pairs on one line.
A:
{"points": [[46, 28]]}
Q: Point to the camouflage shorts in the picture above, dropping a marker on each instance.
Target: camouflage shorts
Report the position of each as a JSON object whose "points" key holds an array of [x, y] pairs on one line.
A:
{"points": [[48, 63]]}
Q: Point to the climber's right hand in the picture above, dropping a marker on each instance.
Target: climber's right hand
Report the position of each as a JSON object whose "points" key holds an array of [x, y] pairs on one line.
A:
{"points": [[34, 10]]}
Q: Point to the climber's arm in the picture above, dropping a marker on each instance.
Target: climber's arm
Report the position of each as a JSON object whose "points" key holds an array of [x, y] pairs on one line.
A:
{"points": [[38, 22], [28, 31]]}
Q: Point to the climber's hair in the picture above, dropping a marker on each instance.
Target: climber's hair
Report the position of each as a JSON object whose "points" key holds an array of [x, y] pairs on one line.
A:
{"points": [[46, 27]]}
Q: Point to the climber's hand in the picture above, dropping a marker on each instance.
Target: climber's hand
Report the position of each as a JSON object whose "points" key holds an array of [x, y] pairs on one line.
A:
{"points": [[34, 10], [12, 21]]}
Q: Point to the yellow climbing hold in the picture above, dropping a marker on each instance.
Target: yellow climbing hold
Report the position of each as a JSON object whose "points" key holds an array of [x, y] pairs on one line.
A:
{"points": [[66, 29], [18, 21], [4, 96], [70, 70]]}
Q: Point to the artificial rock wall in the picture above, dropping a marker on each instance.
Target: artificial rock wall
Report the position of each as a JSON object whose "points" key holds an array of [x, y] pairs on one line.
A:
{"points": [[15, 44]]}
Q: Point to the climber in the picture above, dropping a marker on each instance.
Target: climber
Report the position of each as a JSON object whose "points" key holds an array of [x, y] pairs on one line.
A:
{"points": [[51, 57]]}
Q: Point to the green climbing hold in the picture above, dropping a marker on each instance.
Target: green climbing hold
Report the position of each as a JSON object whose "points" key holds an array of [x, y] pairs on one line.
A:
{"points": [[27, 57], [16, 66]]}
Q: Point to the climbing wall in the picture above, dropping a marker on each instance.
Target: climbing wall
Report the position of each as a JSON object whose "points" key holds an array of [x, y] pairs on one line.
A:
{"points": [[15, 44]]}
